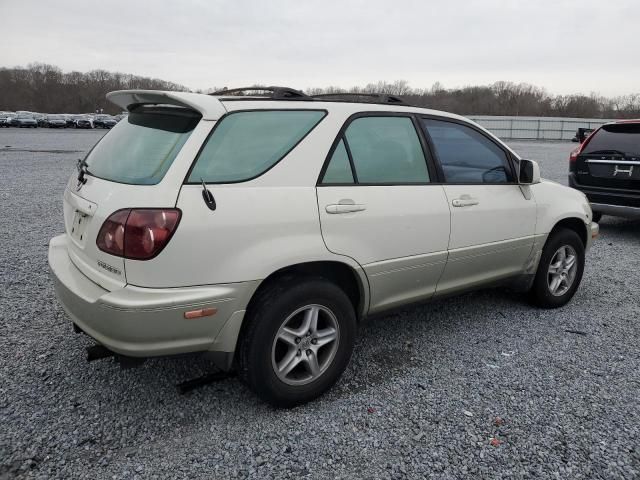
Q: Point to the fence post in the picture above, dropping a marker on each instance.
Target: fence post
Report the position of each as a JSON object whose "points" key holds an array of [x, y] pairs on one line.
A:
{"points": [[561, 130], [538, 132], [511, 129]]}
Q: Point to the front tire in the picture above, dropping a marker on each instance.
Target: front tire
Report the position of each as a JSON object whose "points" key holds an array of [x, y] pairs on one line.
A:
{"points": [[597, 216], [297, 340], [559, 271]]}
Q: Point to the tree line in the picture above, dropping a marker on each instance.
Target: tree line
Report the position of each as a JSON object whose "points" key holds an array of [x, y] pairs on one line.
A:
{"points": [[45, 88], [503, 98]]}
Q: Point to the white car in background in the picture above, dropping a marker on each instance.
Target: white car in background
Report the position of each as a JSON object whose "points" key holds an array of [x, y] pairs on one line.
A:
{"points": [[262, 230]]}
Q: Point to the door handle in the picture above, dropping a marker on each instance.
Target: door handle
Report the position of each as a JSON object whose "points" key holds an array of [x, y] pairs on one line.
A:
{"points": [[464, 201], [345, 208]]}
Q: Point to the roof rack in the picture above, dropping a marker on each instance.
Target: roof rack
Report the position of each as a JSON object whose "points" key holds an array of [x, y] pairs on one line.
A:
{"points": [[286, 93], [276, 93], [377, 97]]}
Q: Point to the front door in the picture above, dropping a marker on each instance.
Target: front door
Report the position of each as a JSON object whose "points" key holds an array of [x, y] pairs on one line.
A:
{"points": [[378, 206], [492, 217]]}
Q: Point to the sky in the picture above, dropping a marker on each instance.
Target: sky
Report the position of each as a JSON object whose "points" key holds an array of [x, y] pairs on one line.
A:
{"points": [[564, 46]]}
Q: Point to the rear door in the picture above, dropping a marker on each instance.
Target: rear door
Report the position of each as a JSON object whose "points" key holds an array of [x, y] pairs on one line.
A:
{"points": [[492, 218], [378, 205], [611, 158]]}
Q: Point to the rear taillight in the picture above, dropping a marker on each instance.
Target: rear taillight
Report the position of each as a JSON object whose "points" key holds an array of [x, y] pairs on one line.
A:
{"points": [[138, 234], [573, 156]]}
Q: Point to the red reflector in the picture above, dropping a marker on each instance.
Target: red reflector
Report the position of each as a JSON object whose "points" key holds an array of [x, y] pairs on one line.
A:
{"points": [[138, 234], [203, 312]]}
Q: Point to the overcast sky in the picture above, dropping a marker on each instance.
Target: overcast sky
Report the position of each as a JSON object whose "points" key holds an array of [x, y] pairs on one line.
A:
{"points": [[564, 46]]}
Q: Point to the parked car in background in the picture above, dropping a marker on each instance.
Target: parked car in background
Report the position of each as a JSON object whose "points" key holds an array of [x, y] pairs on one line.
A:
{"points": [[261, 231], [83, 121], [606, 168], [5, 120], [55, 121], [24, 120], [104, 121], [582, 134], [41, 119]]}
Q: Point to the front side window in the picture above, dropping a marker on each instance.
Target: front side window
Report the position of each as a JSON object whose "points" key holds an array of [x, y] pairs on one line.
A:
{"points": [[467, 156], [244, 145], [383, 150]]}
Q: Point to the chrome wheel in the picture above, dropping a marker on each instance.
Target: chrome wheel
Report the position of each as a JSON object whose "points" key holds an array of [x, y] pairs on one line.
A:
{"points": [[562, 270], [305, 345]]}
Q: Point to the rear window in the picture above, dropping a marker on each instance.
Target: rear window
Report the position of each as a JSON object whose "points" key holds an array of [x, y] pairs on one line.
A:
{"points": [[620, 137], [140, 149], [244, 145]]}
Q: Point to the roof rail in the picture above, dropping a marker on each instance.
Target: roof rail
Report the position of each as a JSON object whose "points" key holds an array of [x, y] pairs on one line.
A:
{"points": [[276, 93], [376, 97]]}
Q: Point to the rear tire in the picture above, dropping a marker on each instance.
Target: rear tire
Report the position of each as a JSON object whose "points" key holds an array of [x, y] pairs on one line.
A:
{"points": [[559, 271], [285, 356]]}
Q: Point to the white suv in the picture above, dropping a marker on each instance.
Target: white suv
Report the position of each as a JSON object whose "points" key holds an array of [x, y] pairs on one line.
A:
{"points": [[263, 230]]}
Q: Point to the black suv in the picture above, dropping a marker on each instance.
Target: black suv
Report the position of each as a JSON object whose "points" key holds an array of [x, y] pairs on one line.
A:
{"points": [[606, 168]]}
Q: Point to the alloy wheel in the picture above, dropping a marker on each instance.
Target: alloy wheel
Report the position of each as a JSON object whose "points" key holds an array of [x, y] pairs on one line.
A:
{"points": [[305, 345], [562, 270]]}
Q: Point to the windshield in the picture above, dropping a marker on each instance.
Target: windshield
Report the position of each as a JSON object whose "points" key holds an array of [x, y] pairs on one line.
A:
{"points": [[140, 149], [621, 137], [25, 116], [54, 117]]}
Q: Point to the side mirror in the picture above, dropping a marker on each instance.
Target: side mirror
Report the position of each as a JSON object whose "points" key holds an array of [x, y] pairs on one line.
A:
{"points": [[529, 172]]}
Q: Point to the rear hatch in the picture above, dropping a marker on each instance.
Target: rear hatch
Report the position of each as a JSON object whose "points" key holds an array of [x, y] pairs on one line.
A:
{"points": [[610, 158], [130, 167]]}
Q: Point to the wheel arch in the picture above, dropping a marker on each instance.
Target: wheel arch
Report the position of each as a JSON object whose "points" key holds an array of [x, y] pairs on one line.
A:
{"points": [[352, 281], [573, 223]]}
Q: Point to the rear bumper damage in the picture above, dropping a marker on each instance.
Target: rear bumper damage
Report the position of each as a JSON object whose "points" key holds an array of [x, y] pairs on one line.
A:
{"points": [[145, 322]]}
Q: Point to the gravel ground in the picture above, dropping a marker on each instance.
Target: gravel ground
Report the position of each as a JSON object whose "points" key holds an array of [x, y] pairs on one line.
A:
{"points": [[481, 386]]}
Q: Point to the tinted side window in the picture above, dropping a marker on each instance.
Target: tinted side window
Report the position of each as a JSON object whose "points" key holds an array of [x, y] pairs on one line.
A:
{"points": [[246, 144], [339, 168], [386, 150], [465, 155]]}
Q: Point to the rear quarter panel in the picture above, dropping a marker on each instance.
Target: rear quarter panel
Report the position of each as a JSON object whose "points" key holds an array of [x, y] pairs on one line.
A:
{"points": [[254, 231]]}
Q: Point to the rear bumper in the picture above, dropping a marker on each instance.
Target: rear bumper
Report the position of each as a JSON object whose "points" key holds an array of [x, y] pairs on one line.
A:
{"points": [[610, 201], [145, 322], [616, 210]]}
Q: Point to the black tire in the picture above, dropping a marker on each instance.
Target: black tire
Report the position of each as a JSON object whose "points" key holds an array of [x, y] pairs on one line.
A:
{"points": [[266, 314], [540, 293], [597, 216]]}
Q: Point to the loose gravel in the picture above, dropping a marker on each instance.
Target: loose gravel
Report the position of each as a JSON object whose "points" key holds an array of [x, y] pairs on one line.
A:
{"points": [[480, 386]]}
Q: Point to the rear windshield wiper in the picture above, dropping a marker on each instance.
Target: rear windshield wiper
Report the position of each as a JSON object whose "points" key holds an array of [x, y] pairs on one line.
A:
{"points": [[83, 170]]}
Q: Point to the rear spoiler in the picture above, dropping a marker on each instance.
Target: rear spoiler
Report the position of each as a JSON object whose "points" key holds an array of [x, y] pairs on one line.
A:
{"points": [[209, 107]]}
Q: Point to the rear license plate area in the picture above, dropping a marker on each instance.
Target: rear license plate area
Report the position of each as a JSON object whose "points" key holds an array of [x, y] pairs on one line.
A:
{"points": [[616, 171], [79, 226]]}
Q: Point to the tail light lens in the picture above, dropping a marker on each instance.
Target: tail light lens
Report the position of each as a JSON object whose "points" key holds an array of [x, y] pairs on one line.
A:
{"points": [[138, 234], [573, 156]]}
